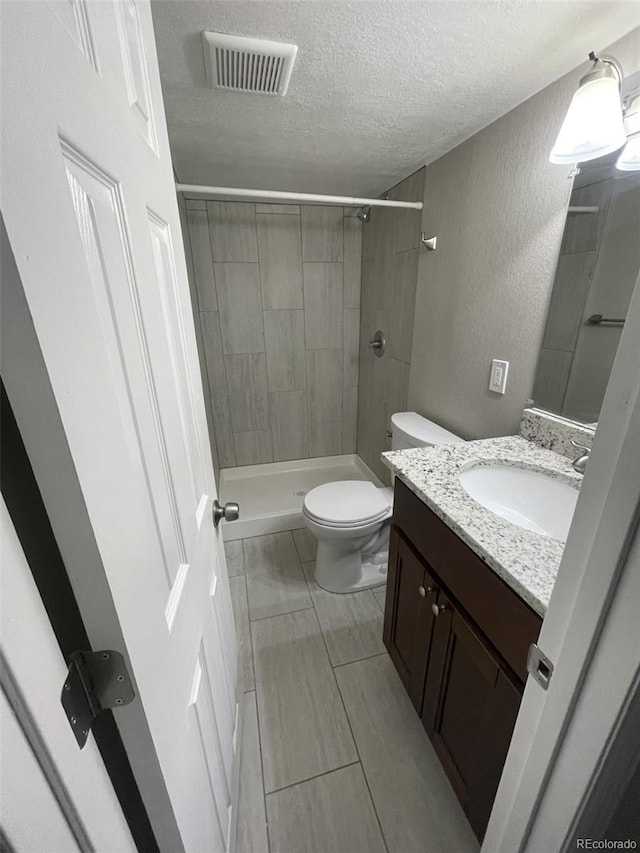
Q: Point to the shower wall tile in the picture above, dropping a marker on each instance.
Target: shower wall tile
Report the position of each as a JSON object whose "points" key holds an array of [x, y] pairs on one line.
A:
{"points": [[408, 222], [365, 373], [322, 237], [223, 434], [380, 368], [253, 447], [202, 259], [213, 353], [397, 385], [582, 233], [383, 222], [390, 247], [248, 391], [293, 209], [241, 322], [289, 425], [368, 242], [349, 419], [279, 337], [323, 302], [280, 261], [352, 261], [233, 231], [284, 339], [350, 347], [568, 298], [552, 375], [404, 303], [324, 379]]}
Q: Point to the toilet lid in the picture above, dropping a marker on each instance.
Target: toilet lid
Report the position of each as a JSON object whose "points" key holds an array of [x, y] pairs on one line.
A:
{"points": [[347, 502]]}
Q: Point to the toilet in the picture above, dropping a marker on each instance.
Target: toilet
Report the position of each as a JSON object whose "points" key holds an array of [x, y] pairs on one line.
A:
{"points": [[351, 518]]}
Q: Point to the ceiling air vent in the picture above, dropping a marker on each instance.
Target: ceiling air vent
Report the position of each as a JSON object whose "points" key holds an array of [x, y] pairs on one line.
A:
{"points": [[248, 65]]}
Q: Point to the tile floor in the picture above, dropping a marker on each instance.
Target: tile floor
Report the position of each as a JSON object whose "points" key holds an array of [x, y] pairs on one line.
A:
{"points": [[334, 758]]}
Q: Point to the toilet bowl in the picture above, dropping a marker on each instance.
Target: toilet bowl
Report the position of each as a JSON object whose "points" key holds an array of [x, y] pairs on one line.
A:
{"points": [[351, 518]]}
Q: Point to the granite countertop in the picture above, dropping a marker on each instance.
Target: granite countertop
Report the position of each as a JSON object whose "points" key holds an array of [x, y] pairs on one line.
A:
{"points": [[527, 561]]}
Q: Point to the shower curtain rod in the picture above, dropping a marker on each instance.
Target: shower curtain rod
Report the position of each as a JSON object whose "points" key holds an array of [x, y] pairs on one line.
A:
{"points": [[349, 201]]}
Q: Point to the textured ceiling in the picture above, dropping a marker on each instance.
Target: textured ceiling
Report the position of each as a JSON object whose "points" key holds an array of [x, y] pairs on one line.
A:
{"points": [[378, 88]]}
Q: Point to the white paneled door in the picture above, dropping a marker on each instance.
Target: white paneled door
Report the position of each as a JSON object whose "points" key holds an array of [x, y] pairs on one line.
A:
{"points": [[52, 797], [89, 204]]}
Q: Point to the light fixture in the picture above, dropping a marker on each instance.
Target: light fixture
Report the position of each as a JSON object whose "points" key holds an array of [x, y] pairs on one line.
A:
{"points": [[629, 159], [593, 125]]}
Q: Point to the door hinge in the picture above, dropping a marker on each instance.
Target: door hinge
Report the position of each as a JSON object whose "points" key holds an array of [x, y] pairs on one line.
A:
{"points": [[539, 666], [95, 682]]}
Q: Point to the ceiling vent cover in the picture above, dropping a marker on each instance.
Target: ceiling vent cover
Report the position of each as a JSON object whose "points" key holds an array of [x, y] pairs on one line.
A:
{"points": [[248, 65]]}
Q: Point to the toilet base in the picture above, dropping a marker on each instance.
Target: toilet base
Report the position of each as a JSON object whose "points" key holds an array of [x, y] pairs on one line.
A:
{"points": [[347, 570]]}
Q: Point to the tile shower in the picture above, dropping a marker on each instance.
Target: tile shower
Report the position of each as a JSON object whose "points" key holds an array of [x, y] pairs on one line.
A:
{"points": [[278, 302], [391, 243], [282, 335]]}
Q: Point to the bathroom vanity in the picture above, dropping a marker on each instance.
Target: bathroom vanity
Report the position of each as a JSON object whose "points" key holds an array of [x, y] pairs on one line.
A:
{"points": [[466, 594]]}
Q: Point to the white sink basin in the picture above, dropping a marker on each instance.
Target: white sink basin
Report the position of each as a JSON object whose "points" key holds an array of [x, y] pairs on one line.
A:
{"points": [[530, 499]]}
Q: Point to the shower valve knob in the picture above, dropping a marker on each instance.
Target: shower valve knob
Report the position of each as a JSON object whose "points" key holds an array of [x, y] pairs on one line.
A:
{"points": [[378, 344], [230, 512]]}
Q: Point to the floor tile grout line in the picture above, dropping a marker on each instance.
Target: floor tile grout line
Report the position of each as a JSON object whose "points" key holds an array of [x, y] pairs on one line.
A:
{"points": [[253, 662], [358, 660], [255, 690], [366, 657], [355, 743], [264, 794], [364, 773], [311, 778], [276, 615]]}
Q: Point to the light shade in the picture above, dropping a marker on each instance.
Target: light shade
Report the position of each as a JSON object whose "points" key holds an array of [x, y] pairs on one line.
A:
{"points": [[629, 159], [593, 125]]}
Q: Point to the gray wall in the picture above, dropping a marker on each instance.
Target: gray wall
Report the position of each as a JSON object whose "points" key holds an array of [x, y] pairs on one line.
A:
{"points": [[278, 302], [498, 208], [389, 273]]}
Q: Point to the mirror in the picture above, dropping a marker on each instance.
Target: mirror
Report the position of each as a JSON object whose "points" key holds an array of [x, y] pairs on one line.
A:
{"points": [[597, 270]]}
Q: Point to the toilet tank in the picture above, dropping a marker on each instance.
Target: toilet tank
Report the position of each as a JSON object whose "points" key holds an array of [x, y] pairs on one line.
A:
{"points": [[409, 429]]}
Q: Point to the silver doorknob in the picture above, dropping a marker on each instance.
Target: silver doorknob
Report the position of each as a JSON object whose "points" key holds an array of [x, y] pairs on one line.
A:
{"points": [[423, 592], [230, 512], [437, 609]]}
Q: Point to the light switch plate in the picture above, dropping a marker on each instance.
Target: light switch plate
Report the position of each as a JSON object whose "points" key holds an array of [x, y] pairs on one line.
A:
{"points": [[498, 378]]}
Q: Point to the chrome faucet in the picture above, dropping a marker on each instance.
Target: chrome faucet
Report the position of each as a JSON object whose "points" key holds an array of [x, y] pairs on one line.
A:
{"points": [[580, 463]]}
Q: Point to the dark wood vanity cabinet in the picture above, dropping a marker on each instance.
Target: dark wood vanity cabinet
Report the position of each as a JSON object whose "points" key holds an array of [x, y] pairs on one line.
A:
{"points": [[458, 636], [408, 633]]}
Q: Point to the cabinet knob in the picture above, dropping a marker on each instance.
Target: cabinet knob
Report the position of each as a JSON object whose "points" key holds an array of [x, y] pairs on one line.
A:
{"points": [[437, 609], [424, 591]]}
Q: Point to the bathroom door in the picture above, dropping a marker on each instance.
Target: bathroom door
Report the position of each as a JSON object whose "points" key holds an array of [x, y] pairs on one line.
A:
{"points": [[41, 773], [89, 205]]}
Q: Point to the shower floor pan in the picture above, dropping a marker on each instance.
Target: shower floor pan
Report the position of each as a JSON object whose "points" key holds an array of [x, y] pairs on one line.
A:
{"points": [[271, 495]]}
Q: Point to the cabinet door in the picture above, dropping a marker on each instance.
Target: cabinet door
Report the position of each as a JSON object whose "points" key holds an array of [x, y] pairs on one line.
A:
{"points": [[469, 711], [408, 616]]}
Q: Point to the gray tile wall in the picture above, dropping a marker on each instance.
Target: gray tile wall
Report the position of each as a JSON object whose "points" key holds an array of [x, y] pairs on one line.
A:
{"points": [[278, 304], [390, 247]]}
